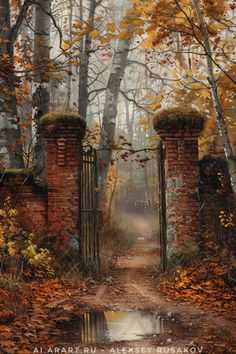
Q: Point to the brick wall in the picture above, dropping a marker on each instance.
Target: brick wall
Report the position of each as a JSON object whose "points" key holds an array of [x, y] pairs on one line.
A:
{"points": [[29, 199], [55, 208], [196, 192], [180, 142], [63, 166]]}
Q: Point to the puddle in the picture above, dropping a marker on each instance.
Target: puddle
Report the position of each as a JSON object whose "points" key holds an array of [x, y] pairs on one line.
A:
{"points": [[110, 326]]}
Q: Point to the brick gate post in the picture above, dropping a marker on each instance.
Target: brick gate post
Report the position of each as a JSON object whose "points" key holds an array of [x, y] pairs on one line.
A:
{"points": [[63, 133], [179, 132]]}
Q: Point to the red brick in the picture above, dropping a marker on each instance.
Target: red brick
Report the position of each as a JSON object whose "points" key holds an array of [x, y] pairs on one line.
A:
{"points": [[181, 160]]}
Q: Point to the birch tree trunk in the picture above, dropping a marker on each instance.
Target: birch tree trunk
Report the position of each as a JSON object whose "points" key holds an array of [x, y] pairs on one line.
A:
{"points": [[41, 96], [215, 97], [110, 109], [85, 47], [9, 129], [130, 130], [70, 68]]}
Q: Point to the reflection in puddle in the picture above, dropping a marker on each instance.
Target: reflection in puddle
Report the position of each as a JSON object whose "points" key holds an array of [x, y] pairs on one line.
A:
{"points": [[98, 327]]}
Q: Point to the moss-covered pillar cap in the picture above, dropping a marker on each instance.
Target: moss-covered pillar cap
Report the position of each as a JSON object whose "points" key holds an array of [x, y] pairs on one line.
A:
{"points": [[178, 123], [62, 122]]}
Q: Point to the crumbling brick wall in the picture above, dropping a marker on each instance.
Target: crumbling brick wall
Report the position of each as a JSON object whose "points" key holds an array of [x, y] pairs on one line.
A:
{"points": [[27, 197], [53, 209], [179, 132]]}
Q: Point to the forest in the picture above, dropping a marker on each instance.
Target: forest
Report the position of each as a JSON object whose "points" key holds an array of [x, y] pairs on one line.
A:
{"points": [[117, 176]]}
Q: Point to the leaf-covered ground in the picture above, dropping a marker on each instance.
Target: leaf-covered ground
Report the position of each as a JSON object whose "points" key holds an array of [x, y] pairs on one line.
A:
{"points": [[203, 283], [29, 312]]}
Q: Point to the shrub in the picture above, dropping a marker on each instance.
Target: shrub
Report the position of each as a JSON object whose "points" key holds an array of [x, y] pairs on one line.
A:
{"points": [[21, 252], [182, 258]]}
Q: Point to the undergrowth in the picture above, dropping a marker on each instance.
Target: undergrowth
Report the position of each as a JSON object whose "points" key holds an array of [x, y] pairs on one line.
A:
{"points": [[116, 239], [21, 253], [205, 278]]}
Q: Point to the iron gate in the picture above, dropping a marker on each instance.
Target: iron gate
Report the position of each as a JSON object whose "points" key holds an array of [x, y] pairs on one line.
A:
{"points": [[89, 240], [162, 206]]}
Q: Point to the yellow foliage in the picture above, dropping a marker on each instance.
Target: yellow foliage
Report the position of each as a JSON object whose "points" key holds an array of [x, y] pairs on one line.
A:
{"points": [[175, 74], [180, 20], [226, 220], [154, 106], [125, 24], [67, 44], [142, 121], [125, 35], [205, 94], [139, 31], [77, 25], [109, 38], [28, 66], [111, 27], [146, 127], [94, 34], [147, 43], [18, 248], [5, 56], [88, 28], [138, 22], [98, 19]]}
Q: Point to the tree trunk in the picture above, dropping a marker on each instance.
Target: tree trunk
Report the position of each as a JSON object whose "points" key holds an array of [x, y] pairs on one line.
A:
{"points": [[70, 68], [42, 40], [85, 47], [110, 110], [41, 96], [10, 135], [130, 130], [217, 104]]}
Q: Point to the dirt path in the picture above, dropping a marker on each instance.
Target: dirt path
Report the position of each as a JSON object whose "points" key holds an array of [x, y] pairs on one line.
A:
{"points": [[131, 286]]}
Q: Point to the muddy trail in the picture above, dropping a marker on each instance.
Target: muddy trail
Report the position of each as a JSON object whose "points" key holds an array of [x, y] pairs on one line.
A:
{"points": [[124, 313]]}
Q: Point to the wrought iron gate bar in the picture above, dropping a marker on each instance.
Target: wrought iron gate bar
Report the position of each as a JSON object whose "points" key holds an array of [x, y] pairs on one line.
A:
{"points": [[89, 209], [162, 206]]}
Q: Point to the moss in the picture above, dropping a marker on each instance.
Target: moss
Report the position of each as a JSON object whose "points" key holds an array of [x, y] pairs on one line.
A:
{"points": [[16, 172], [65, 117], [179, 118]]}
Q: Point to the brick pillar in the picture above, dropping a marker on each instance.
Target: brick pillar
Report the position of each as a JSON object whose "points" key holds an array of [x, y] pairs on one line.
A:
{"points": [[63, 133], [180, 139]]}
